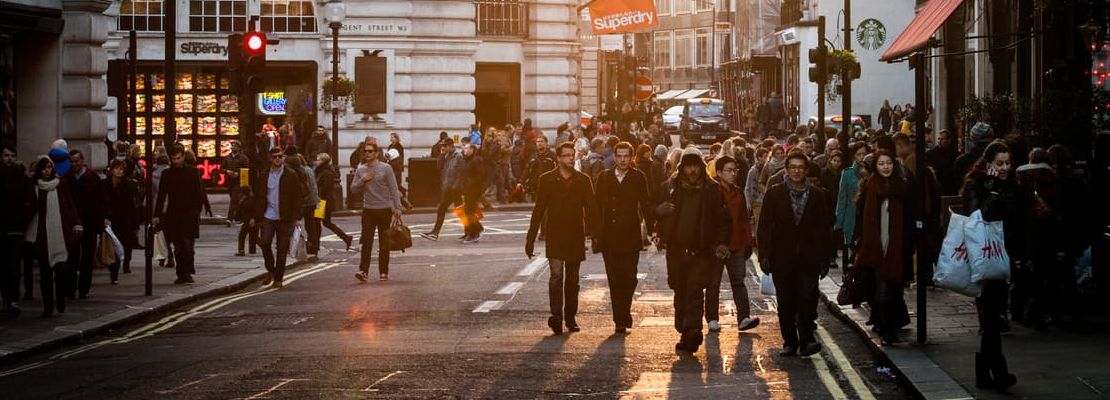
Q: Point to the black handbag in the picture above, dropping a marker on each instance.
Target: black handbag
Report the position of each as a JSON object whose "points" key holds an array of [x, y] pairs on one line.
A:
{"points": [[400, 237], [857, 287]]}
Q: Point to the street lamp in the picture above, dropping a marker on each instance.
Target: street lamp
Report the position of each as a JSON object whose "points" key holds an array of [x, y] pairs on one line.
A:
{"points": [[336, 11]]}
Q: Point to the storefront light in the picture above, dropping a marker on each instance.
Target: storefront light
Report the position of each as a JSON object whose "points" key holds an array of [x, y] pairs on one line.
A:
{"points": [[336, 11]]}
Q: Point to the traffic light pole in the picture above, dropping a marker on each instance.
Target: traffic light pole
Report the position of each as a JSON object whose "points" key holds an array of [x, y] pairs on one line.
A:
{"points": [[924, 270], [846, 81], [821, 84], [335, 88]]}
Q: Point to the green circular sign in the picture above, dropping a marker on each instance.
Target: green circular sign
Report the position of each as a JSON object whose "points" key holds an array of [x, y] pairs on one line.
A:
{"points": [[871, 34]]}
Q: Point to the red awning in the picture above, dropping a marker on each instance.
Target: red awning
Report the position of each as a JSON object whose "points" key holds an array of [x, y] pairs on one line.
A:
{"points": [[916, 36]]}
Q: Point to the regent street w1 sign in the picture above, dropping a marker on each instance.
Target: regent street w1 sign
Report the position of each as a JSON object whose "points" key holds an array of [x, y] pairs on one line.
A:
{"points": [[616, 16]]}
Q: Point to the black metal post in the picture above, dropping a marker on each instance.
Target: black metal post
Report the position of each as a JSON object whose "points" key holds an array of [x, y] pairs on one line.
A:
{"points": [[924, 270], [821, 85], [170, 72], [132, 76], [334, 89], [846, 81]]}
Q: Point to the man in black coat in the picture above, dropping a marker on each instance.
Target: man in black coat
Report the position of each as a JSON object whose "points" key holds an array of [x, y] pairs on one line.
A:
{"points": [[566, 196], [622, 201], [696, 227], [18, 206], [92, 205], [793, 245], [231, 167], [181, 188], [280, 207]]}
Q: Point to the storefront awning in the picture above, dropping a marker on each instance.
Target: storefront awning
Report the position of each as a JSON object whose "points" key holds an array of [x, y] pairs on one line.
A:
{"points": [[670, 94], [690, 94], [916, 35]]}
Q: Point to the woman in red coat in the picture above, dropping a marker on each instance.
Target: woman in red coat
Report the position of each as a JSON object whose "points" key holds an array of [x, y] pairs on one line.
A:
{"points": [[55, 228]]}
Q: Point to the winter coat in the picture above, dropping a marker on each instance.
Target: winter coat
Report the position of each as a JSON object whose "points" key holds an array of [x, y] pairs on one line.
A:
{"points": [[539, 164], [715, 224], [592, 166], [622, 206], [70, 218], [451, 171], [290, 199], [18, 199], [890, 263], [123, 207], [741, 237], [326, 178], [234, 163], [786, 246], [846, 202], [999, 200], [180, 198], [316, 144], [473, 175], [568, 211], [90, 198]]}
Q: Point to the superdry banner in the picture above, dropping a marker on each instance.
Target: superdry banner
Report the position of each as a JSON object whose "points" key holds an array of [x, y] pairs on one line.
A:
{"points": [[615, 16]]}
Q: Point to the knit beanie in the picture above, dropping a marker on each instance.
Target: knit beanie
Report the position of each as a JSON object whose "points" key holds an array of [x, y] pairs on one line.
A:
{"points": [[981, 132]]}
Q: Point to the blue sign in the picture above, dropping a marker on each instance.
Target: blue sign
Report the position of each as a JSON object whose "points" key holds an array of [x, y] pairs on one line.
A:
{"points": [[272, 103]]}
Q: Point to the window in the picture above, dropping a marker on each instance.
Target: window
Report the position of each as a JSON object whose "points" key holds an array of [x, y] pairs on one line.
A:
{"points": [[663, 49], [140, 15], [683, 48], [501, 18], [288, 16], [663, 7], [683, 6], [704, 44], [704, 5], [217, 15]]}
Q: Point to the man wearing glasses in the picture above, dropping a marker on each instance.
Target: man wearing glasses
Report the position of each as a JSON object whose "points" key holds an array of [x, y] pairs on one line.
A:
{"points": [[739, 247], [381, 206], [280, 194]]}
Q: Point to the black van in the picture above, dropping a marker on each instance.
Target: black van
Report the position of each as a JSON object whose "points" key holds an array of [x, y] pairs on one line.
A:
{"points": [[704, 121]]}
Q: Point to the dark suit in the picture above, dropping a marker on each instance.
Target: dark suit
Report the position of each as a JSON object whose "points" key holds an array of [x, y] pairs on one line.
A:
{"points": [[182, 190], [621, 208], [795, 253]]}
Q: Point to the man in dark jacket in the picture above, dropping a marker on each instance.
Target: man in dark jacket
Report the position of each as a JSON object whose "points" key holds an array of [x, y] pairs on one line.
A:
{"points": [[942, 159], [566, 196], [232, 166], [450, 165], [92, 206], [318, 143], [474, 186], [696, 227], [622, 201], [541, 162], [17, 205], [281, 205], [793, 246], [181, 188]]}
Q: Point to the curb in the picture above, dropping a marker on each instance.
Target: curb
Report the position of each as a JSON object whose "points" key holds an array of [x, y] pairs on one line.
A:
{"points": [[153, 307], [913, 368]]}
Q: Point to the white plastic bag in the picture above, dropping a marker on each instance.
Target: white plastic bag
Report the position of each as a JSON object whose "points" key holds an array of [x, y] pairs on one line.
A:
{"points": [[953, 270], [298, 244], [161, 250], [767, 285], [115, 242], [986, 249]]}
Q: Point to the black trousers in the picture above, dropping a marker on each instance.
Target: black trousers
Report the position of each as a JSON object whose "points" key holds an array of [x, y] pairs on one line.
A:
{"points": [[81, 263], [446, 199], [620, 269], [233, 193], [53, 282], [332, 226], [796, 291], [690, 280], [312, 228], [470, 208], [247, 231], [275, 263], [375, 220], [183, 255], [992, 307], [562, 289]]}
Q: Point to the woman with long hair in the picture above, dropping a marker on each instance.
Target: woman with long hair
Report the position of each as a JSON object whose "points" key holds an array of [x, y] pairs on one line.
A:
{"points": [[55, 228], [992, 188], [326, 179], [123, 195], [884, 217]]}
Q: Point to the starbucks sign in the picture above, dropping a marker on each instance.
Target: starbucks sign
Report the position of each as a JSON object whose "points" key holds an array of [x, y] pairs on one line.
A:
{"points": [[871, 34]]}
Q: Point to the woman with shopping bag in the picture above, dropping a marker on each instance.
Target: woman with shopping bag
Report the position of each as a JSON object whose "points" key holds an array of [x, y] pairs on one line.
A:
{"points": [[992, 190], [122, 195], [885, 239]]}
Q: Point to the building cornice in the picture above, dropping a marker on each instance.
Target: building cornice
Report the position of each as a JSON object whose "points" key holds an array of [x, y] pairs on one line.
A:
{"points": [[93, 6]]}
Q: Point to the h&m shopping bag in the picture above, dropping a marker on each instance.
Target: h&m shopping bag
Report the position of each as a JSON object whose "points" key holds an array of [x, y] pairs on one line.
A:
{"points": [[986, 249], [161, 249], [298, 244], [953, 269]]}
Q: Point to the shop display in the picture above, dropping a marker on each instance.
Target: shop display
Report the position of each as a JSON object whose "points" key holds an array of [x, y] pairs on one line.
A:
{"points": [[140, 81], [229, 126], [184, 81], [159, 103], [186, 143], [158, 126], [206, 81], [159, 82], [206, 148], [206, 103], [184, 103], [184, 126], [206, 126], [225, 148], [230, 103]]}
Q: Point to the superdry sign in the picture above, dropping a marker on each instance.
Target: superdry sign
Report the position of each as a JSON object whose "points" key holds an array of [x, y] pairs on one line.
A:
{"points": [[615, 16]]}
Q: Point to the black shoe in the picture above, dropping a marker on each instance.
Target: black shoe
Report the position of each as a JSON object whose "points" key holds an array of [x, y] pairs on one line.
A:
{"points": [[266, 281], [179, 281], [621, 329], [347, 240], [788, 351], [61, 306], [682, 346], [83, 297], [983, 378], [127, 269], [240, 253], [188, 280], [1003, 379], [809, 349], [556, 325], [573, 327], [28, 298]]}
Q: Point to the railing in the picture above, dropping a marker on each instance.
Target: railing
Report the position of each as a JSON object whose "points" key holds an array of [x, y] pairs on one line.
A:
{"points": [[791, 12], [501, 18]]}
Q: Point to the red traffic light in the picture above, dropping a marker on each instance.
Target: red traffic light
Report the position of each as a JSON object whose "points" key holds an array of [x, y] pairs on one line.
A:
{"points": [[255, 42]]}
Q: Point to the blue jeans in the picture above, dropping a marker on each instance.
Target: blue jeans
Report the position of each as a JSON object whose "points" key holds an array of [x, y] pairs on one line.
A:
{"points": [[736, 265], [284, 231]]}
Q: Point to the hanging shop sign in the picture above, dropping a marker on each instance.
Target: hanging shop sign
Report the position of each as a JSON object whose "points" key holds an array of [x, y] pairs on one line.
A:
{"points": [[615, 16], [871, 34]]}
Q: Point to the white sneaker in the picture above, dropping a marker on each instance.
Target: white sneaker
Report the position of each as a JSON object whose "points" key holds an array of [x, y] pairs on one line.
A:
{"points": [[714, 326], [748, 323]]}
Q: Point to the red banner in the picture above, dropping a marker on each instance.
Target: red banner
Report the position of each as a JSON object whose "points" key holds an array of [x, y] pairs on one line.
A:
{"points": [[615, 16]]}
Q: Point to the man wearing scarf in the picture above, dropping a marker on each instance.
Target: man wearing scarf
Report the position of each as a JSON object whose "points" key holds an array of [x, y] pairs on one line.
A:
{"points": [[794, 246], [696, 228]]}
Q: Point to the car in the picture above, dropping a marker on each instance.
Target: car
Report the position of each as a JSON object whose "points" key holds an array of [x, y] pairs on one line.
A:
{"points": [[672, 117], [704, 121], [836, 122]]}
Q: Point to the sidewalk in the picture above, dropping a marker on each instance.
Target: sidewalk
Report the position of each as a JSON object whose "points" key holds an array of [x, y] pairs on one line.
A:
{"points": [[220, 203], [219, 271], [1062, 363]]}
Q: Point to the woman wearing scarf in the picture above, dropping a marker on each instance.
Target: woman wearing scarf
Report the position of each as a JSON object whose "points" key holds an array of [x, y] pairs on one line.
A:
{"points": [[885, 217], [55, 228]]}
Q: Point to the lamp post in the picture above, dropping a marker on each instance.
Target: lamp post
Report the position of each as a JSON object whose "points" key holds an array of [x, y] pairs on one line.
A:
{"points": [[336, 12]]}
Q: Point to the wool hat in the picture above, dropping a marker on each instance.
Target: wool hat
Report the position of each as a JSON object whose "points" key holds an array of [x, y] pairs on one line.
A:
{"points": [[660, 151], [981, 132], [60, 157], [691, 155]]}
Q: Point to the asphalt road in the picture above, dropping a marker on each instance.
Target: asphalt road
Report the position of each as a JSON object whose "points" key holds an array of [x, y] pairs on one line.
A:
{"points": [[453, 321]]}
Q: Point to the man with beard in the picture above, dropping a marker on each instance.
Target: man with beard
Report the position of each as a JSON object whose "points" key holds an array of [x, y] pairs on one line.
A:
{"points": [[622, 200], [696, 227], [794, 246], [565, 197]]}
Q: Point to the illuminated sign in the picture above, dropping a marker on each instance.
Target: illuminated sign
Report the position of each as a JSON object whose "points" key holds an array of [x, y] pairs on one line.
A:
{"points": [[272, 103]]}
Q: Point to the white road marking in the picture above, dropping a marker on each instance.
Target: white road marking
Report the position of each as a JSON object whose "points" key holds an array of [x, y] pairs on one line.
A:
{"points": [[275, 387], [510, 288], [536, 264], [371, 387], [489, 305], [206, 377]]}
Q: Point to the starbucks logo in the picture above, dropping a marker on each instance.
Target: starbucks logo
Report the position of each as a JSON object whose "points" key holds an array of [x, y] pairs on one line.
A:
{"points": [[871, 34]]}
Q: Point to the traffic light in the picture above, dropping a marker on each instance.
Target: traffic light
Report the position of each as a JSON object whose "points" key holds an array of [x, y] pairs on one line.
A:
{"points": [[818, 71], [254, 61], [235, 61]]}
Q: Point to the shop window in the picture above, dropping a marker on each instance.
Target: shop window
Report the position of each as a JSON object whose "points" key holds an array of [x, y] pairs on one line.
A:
{"points": [[140, 15], [704, 5], [663, 49], [501, 17], [683, 6], [683, 48], [288, 16], [662, 7], [217, 15]]}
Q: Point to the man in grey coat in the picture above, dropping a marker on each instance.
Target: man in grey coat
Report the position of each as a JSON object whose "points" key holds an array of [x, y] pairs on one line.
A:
{"points": [[451, 165]]}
